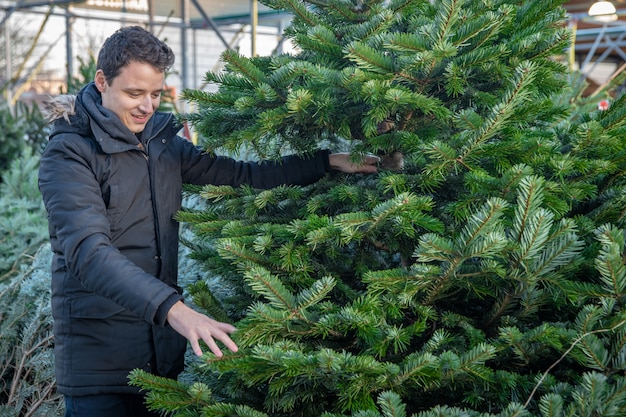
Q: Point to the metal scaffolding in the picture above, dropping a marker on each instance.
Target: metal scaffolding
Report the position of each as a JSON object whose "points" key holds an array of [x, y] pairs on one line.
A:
{"points": [[188, 21]]}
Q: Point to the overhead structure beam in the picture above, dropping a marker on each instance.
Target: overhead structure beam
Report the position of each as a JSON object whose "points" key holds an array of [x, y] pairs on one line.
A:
{"points": [[19, 5], [69, 35], [184, 13], [598, 41], [254, 22], [210, 22], [244, 14], [609, 41], [151, 15]]}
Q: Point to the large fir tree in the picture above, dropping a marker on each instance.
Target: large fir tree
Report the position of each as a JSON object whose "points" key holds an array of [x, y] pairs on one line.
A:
{"points": [[480, 272]]}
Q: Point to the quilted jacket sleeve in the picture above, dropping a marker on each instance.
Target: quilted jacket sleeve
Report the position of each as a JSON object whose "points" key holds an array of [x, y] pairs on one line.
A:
{"points": [[201, 168], [81, 234]]}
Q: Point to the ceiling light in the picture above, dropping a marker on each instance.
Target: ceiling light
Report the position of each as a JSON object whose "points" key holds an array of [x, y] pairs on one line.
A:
{"points": [[603, 10]]}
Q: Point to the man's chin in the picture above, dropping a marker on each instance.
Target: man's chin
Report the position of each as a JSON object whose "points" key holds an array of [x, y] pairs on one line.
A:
{"points": [[137, 127]]}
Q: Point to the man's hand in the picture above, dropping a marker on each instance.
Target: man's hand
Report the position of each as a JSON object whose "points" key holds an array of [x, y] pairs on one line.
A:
{"points": [[196, 326], [341, 162]]}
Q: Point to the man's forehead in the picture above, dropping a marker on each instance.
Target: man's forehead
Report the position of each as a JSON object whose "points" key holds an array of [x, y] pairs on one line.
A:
{"points": [[140, 77]]}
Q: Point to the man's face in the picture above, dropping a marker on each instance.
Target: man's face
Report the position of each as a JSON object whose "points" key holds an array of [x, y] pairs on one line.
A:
{"points": [[133, 95]]}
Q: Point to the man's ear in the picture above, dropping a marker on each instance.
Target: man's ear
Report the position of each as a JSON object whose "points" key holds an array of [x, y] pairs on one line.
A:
{"points": [[100, 80]]}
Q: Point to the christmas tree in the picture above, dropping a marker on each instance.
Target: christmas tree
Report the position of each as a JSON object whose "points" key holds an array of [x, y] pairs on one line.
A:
{"points": [[479, 273]]}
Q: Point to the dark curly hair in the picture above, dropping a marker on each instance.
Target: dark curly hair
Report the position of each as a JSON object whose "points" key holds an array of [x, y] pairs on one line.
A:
{"points": [[133, 44]]}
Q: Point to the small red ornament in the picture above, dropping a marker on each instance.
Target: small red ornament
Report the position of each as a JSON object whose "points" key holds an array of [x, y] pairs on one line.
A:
{"points": [[603, 105]]}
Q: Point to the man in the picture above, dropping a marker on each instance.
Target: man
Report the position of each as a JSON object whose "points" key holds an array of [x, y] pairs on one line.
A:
{"points": [[111, 179]]}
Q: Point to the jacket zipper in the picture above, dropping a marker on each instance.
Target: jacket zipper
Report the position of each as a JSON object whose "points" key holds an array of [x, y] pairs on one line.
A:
{"points": [[155, 212]]}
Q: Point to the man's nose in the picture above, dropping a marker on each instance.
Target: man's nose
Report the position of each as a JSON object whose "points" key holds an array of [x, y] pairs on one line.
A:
{"points": [[146, 104]]}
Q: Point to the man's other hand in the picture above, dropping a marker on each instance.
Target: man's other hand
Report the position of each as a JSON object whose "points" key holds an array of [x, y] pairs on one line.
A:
{"points": [[196, 326], [341, 162]]}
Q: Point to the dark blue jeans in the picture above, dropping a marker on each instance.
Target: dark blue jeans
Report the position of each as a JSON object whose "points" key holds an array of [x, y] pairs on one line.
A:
{"points": [[107, 405]]}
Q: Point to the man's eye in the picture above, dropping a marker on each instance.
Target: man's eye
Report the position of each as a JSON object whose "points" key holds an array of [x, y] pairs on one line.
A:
{"points": [[134, 95], [156, 95]]}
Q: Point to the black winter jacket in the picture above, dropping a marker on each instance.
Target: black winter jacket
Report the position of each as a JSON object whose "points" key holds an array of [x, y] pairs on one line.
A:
{"points": [[111, 199]]}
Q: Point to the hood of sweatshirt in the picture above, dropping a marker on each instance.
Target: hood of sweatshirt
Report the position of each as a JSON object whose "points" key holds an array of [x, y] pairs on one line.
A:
{"points": [[83, 114]]}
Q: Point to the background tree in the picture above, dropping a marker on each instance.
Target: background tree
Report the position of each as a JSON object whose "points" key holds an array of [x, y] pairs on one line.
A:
{"points": [[27, 384], [86, 72], [23, 130], [479, 273], [23, 221], [21, 40]]}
